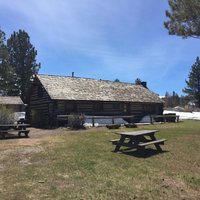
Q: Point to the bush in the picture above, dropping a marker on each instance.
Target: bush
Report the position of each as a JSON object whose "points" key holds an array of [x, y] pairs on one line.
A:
{"points": [[6, 115], [76, 121]]}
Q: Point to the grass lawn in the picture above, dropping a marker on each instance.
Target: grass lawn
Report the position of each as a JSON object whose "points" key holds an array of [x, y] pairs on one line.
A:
{"points": [[81, 165]]}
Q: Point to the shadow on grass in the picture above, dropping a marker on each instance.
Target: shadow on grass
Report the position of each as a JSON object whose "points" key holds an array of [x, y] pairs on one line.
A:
{"points": [[142, 153], [12, 136]]}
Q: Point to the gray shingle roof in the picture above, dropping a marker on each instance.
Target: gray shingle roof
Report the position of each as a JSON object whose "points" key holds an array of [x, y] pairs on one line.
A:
{"points": [[74, 88], [10, 100]]}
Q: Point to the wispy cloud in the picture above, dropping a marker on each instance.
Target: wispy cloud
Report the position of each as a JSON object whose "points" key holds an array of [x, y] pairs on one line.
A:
{"points": [[124, 39]]}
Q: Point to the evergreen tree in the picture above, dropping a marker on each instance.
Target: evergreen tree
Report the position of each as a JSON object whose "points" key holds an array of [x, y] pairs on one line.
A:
{"points": [[171, 100], [175, 99], [138, 81], [22, 58], [193, 82], [117, 80], [7, 86], [2, 45], [184, 18]]}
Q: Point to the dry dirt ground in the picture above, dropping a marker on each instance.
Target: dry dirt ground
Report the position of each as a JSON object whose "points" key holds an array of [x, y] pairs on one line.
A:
{"points": [[35, 139], [33, 143]]}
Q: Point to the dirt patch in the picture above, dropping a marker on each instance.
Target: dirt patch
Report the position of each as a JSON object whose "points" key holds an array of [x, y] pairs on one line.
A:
{"points": [[36, 137], [39, 136], [172, 183], [178, 188], [33, 144], [23, 150]]}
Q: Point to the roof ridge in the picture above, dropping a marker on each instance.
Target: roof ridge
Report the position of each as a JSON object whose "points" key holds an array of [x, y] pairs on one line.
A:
{"points": [[77, 77]]}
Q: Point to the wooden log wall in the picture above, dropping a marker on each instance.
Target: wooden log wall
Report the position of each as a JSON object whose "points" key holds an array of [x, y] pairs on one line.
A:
{"points": [[105, 108], [39, 106], [88, 108]]}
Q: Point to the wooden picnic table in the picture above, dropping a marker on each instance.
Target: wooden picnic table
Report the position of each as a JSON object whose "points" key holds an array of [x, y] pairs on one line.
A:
{"points": [[165, 118], [14, 128], [138, 140]]}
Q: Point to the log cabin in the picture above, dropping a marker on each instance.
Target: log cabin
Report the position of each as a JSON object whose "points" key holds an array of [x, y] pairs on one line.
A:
{"points": [[62, 95]]}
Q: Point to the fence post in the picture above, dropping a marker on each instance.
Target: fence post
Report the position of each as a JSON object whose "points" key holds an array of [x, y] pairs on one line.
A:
{"points": [[151, 119], [93, 121], [113, 120]]}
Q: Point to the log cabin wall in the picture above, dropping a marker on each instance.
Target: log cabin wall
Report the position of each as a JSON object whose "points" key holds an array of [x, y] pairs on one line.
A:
{"points": [[94, 108], [40, 106]]}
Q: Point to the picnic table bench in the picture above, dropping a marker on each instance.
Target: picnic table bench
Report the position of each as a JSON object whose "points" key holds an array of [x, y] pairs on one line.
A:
{"points": [[138, 139], [14, 128]]}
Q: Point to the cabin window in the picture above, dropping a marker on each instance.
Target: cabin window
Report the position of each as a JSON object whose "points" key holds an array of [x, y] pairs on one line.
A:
{"points": [[40, 91]]}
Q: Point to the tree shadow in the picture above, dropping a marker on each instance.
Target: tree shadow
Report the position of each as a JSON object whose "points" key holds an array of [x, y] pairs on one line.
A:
{"points": [[145, 153], [9, 136]]}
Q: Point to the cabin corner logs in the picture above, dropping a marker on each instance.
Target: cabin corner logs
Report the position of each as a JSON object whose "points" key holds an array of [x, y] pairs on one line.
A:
{"points": [[43, 109]]}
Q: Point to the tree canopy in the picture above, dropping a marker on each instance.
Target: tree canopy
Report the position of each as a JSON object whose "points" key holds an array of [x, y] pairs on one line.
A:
{"points": [[22, 59], [193, 82], [3, 48], [171, 99], [138, 81], [7, 86], [184, 18], [117, 80]]}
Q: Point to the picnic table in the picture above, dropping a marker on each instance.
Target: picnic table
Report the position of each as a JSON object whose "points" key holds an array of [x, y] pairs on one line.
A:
{"points": [[138, 140], [171, 117], [14, 128]]}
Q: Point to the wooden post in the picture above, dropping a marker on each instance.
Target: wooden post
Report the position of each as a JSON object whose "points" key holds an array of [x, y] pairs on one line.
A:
{"points": [[93, 121], [151, 119], [177, 118], [113, 120]]}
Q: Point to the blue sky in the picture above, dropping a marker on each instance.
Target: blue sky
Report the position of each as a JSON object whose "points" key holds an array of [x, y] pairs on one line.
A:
{"points": [[104, 39]]}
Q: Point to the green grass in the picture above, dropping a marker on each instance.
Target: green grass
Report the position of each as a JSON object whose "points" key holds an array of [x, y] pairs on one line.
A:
{"points": [[81, 165]]}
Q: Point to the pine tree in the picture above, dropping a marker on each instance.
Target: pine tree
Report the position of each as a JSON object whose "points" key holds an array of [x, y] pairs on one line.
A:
{"points": [[22, 58], [7, 86], [193, 82], [183, 18], [117, 80], [138, 81]]}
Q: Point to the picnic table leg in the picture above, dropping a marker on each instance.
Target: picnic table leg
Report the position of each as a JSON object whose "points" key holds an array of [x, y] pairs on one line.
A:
{"points": [[137, 140], [19, 134], [156, 145], [3, 135], [119, 143]]}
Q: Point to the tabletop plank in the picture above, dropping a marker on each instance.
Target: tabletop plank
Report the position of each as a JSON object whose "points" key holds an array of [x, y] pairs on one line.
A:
{"points": [[137, 133], [13, 125]]}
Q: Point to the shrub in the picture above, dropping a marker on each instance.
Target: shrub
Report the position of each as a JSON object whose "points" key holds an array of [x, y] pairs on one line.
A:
{"points": [[6, 115], [76, 121]]}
